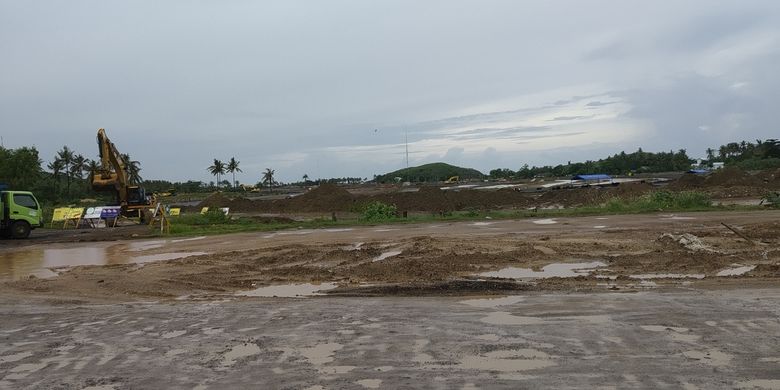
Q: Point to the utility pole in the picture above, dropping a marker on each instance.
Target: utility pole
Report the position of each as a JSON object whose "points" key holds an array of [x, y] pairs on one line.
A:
{"points": [[406, 142]]}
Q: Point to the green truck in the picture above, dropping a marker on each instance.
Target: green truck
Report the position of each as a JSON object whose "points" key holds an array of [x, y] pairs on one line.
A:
{"points": [[20, 213]]}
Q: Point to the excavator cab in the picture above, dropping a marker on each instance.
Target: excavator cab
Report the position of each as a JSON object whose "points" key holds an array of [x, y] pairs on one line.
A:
{"points": [[136, 196]]}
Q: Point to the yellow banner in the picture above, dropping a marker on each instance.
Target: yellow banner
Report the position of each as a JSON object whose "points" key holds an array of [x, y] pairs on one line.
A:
{"points": [[174, 212], [204, 210], [60, 214], [74, 213]]}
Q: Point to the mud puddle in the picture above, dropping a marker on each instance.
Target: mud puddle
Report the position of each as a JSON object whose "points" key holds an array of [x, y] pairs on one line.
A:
{"points": [[41, 262], [289, 290], [555, 270], [387, 254]]}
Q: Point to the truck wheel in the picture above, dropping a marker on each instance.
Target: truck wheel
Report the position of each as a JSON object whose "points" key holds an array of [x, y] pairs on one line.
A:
{"points": [[20, 229]]}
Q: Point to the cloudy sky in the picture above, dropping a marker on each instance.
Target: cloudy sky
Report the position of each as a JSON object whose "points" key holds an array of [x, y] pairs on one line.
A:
{"points": [[330, 88]]}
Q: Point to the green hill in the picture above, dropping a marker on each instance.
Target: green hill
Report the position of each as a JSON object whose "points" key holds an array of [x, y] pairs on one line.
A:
{"points": [[430, 172]]}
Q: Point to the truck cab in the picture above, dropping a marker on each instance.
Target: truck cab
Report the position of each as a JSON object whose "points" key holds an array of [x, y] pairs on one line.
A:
{"points": [[20, 213]]}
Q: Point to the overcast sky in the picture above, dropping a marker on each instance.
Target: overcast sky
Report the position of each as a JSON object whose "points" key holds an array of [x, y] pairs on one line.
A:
{"points": [[329, 88]]}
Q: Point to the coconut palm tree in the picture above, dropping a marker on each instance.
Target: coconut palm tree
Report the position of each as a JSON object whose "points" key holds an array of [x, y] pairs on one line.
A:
{"points": [[232, 167], [56, 167], [217, 169], [65, 155], [305, 178], [710, 154], [78, 166], [133, 169], [268, 177]]}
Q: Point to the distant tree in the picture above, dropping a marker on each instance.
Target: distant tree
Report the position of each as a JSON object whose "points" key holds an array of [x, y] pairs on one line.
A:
{"points": [[65, 155], [710, 154], [232, 167], [268, 177], [20, 168], [92, 167], [305, 178], [217, 169], [56, 168], [133, 169], [78, 166]]}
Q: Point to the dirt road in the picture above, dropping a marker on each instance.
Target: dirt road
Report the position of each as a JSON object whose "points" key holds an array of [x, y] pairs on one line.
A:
{"points": [[691, 340]]}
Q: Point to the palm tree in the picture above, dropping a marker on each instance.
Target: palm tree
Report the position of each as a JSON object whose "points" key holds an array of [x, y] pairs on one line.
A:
{"points": [[133, 169], [305, 178], [65, 155], [268, 177], [92, 167], [710, 154], [78, 166], [232, 167], [217, 169], [56, 167]]}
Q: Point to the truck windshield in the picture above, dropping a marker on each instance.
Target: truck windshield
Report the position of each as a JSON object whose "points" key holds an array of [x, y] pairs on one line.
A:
{"points": [[25, 200]]}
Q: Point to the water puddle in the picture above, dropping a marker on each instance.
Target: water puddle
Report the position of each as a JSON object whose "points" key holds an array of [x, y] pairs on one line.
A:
{"points": [[600, 227], [667, 276], [189, 239], [493, 302], [738, 271], [504, 318], [239, 352], [508, 361], [289, 290], [321, 353], [370, 383], [338, 230], [555, 270], [40, 262], [711, 357], [673, 217], [482, 223], [545, 221], [387, 254]]}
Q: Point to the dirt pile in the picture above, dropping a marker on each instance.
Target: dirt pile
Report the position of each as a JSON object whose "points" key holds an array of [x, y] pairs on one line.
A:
{"points": [[770, 178], [731, 176], [326, 197], [215, 200], [688, 181], [593, 195]]}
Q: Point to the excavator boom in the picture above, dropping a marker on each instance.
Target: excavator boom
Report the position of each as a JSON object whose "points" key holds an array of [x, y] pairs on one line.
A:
{"points": [[112, 176]]}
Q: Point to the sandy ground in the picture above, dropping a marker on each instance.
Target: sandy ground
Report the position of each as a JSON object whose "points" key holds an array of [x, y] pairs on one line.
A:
{"points": [[690, 340]]}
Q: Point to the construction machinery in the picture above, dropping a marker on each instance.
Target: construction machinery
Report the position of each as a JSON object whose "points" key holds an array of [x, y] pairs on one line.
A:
{"points": [[20, 213], [112, 176], [453, 179]]}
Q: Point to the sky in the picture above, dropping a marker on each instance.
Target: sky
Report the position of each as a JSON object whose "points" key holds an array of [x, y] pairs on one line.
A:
{"points": [[340, 88]]}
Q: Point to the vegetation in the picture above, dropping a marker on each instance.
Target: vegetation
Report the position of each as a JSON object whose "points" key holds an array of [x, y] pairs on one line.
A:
{"points": [[268, 177], [378, 211], [690, 201], [232, 167], [747, 155], [618, 164], [217, 169], [430, 172]]}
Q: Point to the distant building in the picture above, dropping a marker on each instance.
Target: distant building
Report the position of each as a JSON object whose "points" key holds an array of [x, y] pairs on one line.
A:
{"points": [[593, 178], [717, 165]]}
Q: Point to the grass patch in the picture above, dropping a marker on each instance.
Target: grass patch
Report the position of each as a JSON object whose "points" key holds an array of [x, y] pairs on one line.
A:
{"points": [[659, 201]]}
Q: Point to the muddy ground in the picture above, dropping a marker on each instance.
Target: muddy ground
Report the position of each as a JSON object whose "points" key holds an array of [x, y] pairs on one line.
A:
{"points": [[625, 253], [684, 340]]}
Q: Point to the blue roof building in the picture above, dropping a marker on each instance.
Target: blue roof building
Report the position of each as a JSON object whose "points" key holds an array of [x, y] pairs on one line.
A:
{"points": [[593, 177]]}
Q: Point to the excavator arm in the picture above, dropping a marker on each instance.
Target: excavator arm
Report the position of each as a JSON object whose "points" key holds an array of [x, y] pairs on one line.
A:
{"points": [[112, 176]]}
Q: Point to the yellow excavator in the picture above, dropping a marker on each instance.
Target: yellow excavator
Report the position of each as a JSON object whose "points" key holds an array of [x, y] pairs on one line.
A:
{"points": [[112, 176]]}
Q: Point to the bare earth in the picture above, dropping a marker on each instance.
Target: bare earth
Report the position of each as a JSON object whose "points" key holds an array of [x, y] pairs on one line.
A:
{"points": [[657, 301]]}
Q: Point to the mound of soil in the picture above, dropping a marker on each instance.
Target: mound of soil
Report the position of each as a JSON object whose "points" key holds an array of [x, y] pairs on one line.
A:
{"points": [[688, 181], [326, 197], [770, 178], [594, 195], [214, 200], [732, 176]]}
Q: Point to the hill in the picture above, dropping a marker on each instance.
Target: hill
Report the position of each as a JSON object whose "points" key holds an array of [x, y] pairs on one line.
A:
{"points": [[430, 172]]}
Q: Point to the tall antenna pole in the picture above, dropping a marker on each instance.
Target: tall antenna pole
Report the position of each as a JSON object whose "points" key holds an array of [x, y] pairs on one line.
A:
{"points": [[406, 140]]}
